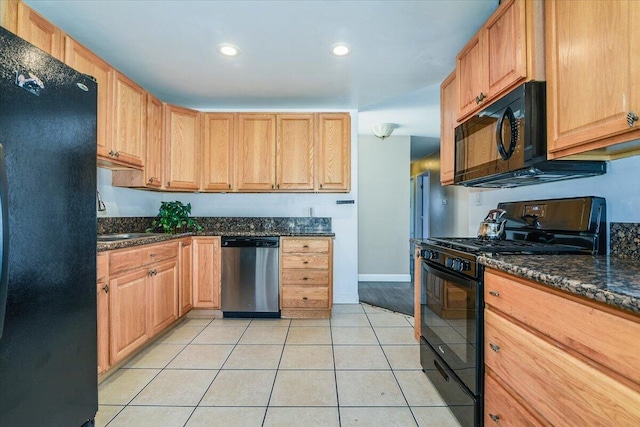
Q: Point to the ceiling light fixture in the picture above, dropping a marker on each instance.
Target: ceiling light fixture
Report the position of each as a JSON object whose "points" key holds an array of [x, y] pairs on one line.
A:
{"points": [[340, 49], [228, 50], [383, 130]]}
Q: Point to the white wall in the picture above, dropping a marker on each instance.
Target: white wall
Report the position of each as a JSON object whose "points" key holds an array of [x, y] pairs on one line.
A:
{"points": [[384, 208], [620, 186], [344, 218]]}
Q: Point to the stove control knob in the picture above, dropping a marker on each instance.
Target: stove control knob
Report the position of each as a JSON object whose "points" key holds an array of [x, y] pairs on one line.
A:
{"points": [[465, 266], [429, 254], [457, 264], [449, 263]]}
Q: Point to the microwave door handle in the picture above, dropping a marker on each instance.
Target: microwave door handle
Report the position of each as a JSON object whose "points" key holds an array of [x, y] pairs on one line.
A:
{"points": [[513, 125]]}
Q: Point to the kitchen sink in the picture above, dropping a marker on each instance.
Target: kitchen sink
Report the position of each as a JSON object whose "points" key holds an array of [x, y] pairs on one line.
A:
{"points": [[116, 237]]}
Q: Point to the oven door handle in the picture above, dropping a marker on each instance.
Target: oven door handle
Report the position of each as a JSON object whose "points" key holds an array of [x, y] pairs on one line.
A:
{"points": [[441, 370], [461, 281]]}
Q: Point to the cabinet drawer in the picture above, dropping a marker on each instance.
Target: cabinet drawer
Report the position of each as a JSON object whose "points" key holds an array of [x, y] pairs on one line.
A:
{"points": [[594, 333], [141, 256], [306, 261], [305, 277], [502, 409], [102, 266], [563, 389], [305, 297], [305, 245]]}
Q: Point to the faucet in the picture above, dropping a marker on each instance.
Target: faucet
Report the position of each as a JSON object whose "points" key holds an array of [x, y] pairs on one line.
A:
{"points": [[101, 206]]}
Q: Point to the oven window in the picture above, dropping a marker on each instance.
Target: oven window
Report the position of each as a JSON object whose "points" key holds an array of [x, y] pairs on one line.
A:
{"points": [[448, 311]]}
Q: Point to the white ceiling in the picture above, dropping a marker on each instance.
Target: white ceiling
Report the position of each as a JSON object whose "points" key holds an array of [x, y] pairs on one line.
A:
{"points": [[401, 51]]}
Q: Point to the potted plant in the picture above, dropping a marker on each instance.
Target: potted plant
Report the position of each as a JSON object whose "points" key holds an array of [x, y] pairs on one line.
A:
{"points": [[173, 218]]}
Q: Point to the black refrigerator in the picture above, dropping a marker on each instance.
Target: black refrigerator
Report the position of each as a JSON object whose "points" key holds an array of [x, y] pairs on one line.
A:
{"points": [[48, 338]]}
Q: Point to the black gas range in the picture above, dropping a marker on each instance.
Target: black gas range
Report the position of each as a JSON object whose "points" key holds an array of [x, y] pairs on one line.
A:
{"points": [[451, 295]]}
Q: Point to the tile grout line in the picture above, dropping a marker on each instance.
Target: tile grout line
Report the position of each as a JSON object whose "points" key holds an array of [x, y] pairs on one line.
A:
{"points": [[335, 372], [275, 377]]}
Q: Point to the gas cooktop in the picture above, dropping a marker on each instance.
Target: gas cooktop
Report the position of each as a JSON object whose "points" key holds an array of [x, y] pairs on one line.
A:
{"points": [[475, 245]]}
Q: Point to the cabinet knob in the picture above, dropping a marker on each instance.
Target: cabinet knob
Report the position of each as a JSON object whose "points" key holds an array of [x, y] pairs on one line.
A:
{"points": [[272, 186], [305, 247], [305, 298], [320, 185], [168, 183], [305, 262], [494, 417], [305, 278], [631, 117], [150, 180], [494, 293], [494, 347], [117, 154], [152, 255], [105, 288], [229, 186]]}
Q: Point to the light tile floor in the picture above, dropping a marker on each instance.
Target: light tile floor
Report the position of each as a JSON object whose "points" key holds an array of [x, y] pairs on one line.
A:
{"points": [[360, 368]]}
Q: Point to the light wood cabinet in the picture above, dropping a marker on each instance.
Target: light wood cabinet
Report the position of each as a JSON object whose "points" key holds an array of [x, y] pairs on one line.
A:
{"points": [[85, 61], [152, 175], [306, 277], [41, 33], [295, 146], [102, 298], [593, 62], [143, 287], [448, 122], [256, 152], [218, 146], [505, 52], [129, 119], [186, 276], [562, 359], [163, 295], [182, 133], [333, 152], [206, 268]]}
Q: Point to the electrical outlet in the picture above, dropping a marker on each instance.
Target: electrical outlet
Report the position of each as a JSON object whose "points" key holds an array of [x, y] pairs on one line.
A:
{"points": [[478, 198], [444, 201]]}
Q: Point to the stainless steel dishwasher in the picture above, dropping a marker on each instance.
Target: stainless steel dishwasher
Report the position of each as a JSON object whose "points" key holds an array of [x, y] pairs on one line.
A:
{"points": [[250, 277]]}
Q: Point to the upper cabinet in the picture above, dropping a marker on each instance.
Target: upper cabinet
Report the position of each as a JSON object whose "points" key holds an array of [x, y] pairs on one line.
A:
{"points": [[182, 162], [593, 63], [85, 61], [449, 110], [256, 152], [38, 31], [129, 120], [295, 144], [506, 51], [217, 150], [333, 152]]}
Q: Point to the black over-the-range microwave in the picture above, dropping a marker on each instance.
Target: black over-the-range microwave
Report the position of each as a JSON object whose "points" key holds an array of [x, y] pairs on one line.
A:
{"points": [[505, 144]]}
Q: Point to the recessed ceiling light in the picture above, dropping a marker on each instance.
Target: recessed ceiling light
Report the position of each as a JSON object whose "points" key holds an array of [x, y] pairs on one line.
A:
{"points": [[340, 49], [228, 50]]}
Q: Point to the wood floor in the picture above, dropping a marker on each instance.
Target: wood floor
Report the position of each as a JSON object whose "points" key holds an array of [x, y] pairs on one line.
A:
{"points": [[394, 296]]}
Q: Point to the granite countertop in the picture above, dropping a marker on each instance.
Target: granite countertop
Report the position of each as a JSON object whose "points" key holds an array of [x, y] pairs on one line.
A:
{"points": [[155, 238], [607, 279]]}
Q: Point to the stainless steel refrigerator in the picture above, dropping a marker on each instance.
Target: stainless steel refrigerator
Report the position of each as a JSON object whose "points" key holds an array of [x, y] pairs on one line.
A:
{"points": [[48, 230]]}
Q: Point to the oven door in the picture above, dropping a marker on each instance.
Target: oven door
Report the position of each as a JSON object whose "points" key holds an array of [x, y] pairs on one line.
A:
{"points": [[451, 310]]}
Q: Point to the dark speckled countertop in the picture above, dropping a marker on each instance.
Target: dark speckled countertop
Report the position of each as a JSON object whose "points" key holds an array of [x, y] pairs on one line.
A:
{"points": [[155, 238], [611, 280]]}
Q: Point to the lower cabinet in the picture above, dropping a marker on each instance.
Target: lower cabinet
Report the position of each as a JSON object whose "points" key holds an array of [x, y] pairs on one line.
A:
{"points": [[306, 277], [206, 268], [555, 359], [142, 285]]}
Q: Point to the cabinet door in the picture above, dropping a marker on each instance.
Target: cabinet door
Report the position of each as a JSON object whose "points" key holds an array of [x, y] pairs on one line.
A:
{"points": [[182, 133], [39, 32], [129, 114], [448, 112], [186, 277], [129, 326], [206, 272], [471, 75], [506, 45], [154, 158], [334, 152], [592, 72], [218, 140], [295, 145], [256, 153], [163, 295], [83, 60], [102, 297]]}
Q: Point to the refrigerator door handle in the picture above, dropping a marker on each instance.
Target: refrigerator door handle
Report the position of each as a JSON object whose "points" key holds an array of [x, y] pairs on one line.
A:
{"points": [[4, 239]]}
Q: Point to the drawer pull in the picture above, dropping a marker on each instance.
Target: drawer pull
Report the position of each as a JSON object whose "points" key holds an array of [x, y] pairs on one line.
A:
{"points": [[494, 347], [305, 278], [305, 262], [152, 255], [494, 293], [105, 288], [305, 298], [305, 246], [495, 418]]}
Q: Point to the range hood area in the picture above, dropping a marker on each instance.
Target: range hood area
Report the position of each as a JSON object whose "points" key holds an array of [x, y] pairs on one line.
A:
{"points": [[540, 173]]}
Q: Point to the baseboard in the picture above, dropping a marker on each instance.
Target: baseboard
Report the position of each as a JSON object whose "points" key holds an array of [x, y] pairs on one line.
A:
{"points": [[346, 298], [384, 277]]}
